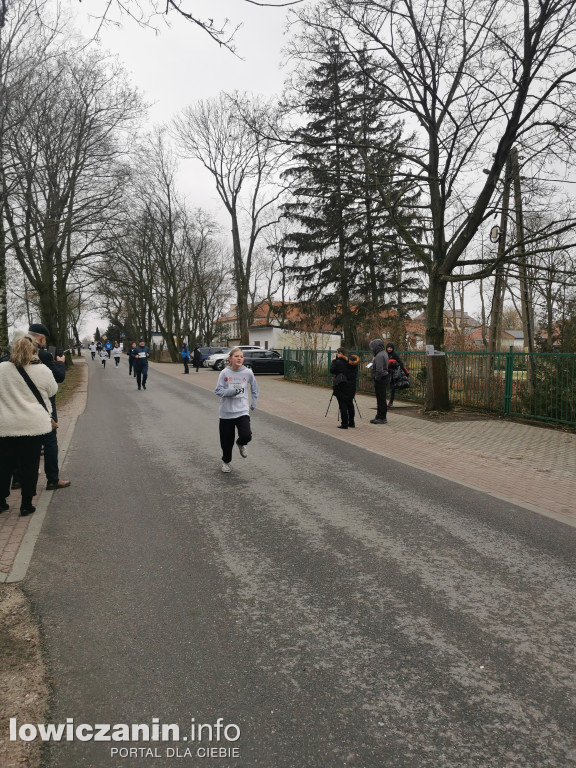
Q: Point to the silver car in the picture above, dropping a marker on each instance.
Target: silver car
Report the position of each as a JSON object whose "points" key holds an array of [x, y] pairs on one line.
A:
{"points": [[218, 361]]}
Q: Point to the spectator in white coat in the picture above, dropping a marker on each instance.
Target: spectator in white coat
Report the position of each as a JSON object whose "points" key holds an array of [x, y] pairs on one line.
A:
{"points": [[25, 420]]}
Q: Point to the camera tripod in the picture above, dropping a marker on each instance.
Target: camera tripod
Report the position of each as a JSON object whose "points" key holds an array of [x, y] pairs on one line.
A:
{"points": [[330, 403]]}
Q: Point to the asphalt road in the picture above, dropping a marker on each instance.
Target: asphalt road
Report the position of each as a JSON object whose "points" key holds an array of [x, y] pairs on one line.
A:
{"points": [[335, 607]]}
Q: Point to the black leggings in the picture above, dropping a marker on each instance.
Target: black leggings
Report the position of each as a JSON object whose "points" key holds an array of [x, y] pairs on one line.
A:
{"points": [[228, 432]]}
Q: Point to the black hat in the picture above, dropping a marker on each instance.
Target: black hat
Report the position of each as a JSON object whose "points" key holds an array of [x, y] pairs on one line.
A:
{"points": [[39, 328]]}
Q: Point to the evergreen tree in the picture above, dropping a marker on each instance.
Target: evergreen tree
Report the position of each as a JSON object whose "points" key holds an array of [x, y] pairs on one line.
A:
{"points": [[342, 239], [322, 202], [387, 278], [114, 331]]}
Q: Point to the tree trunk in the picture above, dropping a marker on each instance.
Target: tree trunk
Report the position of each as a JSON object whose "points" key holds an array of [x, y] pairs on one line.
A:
{"points": [[241, 280], [437, 389]]}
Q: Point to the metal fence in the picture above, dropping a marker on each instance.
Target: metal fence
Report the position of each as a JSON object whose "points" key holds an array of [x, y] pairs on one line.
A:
{"points": [[538, 386]]}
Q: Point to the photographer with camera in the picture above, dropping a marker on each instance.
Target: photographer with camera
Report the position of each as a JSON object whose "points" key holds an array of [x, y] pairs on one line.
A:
{"points": [[40, 334], [344, 368]]}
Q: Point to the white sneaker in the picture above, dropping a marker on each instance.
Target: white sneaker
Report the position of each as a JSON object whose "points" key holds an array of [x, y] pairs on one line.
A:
{"points": [[226, 467], [243, 451]]}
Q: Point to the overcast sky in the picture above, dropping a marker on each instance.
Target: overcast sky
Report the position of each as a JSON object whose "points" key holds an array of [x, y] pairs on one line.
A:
{"points": [[180, 63]]}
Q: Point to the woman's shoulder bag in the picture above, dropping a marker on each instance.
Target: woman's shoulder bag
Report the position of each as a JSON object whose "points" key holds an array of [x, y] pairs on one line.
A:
{"points": [[37, 395]]}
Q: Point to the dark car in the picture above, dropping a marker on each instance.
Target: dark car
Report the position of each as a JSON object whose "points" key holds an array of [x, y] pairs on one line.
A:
{"points": [[268, 361], [207, 351]]}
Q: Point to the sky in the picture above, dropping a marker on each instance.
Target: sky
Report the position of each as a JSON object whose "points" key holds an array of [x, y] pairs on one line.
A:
{"points": [[179, 64]]}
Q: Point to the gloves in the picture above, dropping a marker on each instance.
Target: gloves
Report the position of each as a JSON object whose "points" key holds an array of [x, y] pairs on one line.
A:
{"points": [[252, 407]]}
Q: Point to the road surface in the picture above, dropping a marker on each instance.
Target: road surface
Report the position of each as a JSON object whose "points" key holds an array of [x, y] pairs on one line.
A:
{"points": [[331, 607]]}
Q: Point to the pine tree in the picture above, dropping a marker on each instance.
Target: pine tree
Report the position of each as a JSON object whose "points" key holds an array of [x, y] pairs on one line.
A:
{"points": [[342, 238], [323, 203], [386, 279]]}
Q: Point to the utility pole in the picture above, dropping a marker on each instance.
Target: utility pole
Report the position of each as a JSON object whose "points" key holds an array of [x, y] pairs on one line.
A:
{"points": [[526, 303], [495, 331], [527, 323]]}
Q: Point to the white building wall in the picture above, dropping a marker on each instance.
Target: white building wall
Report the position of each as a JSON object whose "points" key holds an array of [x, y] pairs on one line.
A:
{"points": [[269, 337]]}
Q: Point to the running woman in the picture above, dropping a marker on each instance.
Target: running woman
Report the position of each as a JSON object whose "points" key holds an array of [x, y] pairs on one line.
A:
{"points": [[235, 406]]}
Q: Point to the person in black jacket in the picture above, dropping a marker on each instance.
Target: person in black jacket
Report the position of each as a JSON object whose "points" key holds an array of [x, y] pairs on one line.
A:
{"points": [[132, 353], [39, 333], [344, 368], [141, 355], [393, 361], [196, 358], [380, 376], [185, 355]]}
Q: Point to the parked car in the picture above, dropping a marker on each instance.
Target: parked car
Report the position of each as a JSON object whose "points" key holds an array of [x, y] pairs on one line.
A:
{"points": [[207, 351], [269, 361], [218, 361]]}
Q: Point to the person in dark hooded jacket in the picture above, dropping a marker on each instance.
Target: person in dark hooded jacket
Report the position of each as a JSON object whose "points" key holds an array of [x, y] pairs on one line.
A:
{"points": [[393, 361], [380, 377], [344, 368]]}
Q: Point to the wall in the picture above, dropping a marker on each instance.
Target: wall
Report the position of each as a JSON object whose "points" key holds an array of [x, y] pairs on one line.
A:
{"points": [[269, 337]]}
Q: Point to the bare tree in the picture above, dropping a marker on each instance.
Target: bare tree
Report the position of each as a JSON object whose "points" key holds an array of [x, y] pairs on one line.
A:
{"points": [[24, 42], [511, 318], [242, 163], [64, 174], [163, 272], [206, 285], [548, 275], [473, 80], [146, 12]]}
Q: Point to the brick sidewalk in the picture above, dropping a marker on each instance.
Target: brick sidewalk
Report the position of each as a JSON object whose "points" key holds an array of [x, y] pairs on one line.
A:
{"points": [[530, 466]]}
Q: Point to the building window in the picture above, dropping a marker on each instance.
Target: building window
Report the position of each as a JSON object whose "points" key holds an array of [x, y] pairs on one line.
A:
{"points": [[265, 345]]}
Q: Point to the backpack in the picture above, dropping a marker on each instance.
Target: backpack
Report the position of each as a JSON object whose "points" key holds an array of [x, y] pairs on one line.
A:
{"points": [[399, 378], [339, 379]]}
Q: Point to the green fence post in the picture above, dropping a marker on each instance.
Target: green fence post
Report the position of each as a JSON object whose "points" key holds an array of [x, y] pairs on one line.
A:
{"points": [[508, 377]]}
